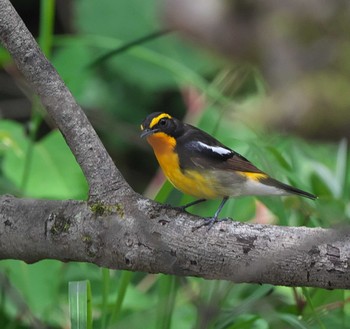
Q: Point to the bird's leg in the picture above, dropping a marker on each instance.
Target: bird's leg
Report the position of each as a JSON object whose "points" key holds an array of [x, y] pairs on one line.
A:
{"points": [[183, 208], [190, 204], [211, 221]]}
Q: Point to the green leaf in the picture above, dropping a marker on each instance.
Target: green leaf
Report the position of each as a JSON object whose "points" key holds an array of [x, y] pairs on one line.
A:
{"points": [[146, 69], [279, 157], [316, 315], [124, 284], [105, 293], [319, 186], [39, 285], [47, 21], [12, 138], [327, 176], [80, 305], [341, 167], [293, 321], [167, 295], [71, 63], [54, 172]]}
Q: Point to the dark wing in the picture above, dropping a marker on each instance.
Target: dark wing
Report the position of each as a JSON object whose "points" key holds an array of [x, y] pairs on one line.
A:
{"points": [[239, 163], [197, 149], [235, 163]]}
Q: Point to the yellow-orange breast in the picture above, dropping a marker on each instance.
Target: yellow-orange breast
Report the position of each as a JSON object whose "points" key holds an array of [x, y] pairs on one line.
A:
{"points": [[188, 181]]}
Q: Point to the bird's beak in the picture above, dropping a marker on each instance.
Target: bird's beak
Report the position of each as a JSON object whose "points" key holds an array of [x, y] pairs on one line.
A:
{"points": [[147, 132]]}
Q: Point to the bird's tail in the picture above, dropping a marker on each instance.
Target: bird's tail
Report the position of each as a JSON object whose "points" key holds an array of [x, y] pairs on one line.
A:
{"points": [[288, 189]]}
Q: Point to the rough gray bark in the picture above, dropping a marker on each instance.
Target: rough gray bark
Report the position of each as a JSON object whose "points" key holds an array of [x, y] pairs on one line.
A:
{"points": [[120, 229], [140, 235]]}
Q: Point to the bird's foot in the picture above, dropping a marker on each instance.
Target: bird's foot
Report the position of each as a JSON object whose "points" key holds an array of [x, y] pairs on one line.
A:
{"points": [[177, 208], [209, 222], [180, 208]]}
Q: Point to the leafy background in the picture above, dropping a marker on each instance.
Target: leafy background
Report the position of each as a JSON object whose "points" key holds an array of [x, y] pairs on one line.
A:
{"points": [[165, 74]]}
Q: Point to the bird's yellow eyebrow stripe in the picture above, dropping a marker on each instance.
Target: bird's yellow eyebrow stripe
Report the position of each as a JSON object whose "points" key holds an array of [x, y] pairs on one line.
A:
{"points": [[156, 119]]}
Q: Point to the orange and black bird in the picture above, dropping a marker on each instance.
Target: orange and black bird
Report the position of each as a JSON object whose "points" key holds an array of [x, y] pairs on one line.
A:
{"points": [[199, 165]]}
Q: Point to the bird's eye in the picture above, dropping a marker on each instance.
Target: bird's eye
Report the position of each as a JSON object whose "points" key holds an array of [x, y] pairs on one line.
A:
{"points": [[162, 122]]}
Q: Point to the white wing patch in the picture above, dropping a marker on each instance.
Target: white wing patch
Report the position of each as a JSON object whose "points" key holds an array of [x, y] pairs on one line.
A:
{"points": [[216, 149]]}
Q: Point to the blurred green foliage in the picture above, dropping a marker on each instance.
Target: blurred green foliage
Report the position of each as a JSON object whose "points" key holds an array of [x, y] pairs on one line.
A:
{"points": [[117, 94], [42, 169]]}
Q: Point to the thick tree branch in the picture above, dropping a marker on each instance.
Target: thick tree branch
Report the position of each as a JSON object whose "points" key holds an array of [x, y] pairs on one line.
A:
{"points": [[144, 236], [135, 233], [104, 179]]}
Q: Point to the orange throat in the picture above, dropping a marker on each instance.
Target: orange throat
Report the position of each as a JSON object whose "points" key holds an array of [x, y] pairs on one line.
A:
{"points": [[163, 147], [162, 144]]}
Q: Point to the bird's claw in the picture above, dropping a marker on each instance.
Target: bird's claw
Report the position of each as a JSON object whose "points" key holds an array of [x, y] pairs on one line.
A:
{"points": [[210, 223], [169, 206], [177, 208]]}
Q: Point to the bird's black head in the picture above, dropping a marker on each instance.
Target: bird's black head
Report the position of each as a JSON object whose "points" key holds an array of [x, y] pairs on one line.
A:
{"points": [[161, 122]]}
